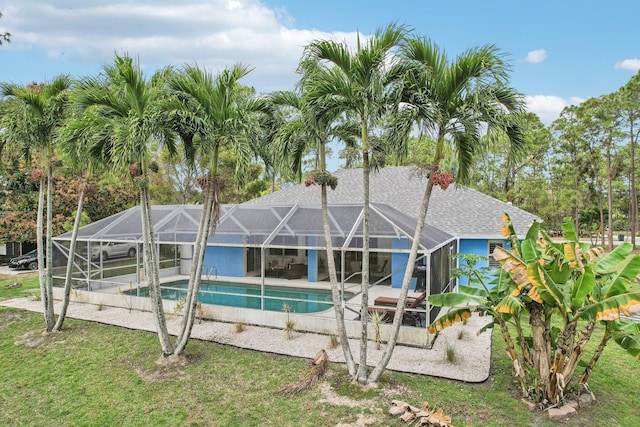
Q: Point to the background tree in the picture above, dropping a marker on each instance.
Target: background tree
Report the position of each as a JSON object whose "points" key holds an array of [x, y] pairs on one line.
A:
{"points": [[601, 121], [175, 182], [511, 176], [31, 118], [630, 112]]}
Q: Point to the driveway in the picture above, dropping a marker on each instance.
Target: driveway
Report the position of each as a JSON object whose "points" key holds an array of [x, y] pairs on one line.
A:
{"points": [[5, 270]]}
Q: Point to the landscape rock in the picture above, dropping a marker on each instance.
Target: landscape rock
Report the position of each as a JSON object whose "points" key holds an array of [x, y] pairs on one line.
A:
{"points": [[561, 412]]}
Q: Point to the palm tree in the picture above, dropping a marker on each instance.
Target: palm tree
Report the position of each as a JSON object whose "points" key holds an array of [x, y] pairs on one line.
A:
{"points": [[34, 114], [358, 82], [121, 119], [456, 102], [312, 127], [73, 148], [210, 113]]}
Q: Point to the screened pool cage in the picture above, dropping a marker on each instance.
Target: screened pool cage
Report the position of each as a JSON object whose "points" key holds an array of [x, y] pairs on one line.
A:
{"points": [[263, 246]]}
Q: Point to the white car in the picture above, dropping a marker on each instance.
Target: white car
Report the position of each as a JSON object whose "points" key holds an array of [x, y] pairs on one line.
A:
{"points": [[114, 250]]}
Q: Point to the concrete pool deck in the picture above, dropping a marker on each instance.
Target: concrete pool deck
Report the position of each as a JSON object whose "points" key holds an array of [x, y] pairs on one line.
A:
{"points": [[473, 351]]}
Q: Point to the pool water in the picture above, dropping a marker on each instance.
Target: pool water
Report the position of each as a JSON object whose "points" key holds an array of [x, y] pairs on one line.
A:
{"points": [[299, 300]]}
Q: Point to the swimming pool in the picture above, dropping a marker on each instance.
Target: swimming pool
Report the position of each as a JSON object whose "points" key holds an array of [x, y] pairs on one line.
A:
{"points": [[300, 300]]}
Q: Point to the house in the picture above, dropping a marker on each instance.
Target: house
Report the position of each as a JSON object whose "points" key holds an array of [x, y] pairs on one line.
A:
{"points": [[281, 234]]}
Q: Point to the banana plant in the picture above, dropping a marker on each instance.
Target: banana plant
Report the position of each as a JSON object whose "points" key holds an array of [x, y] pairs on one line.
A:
{"points": [[553, 283]]}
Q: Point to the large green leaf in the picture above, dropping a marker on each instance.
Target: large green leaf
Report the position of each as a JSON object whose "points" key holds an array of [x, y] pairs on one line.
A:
{"points": [[569, 230], [627, 327], [509, 305], [623, 277], [529, 251], [547, 288], [611, 262], [533, 232], [627, 335], [449, 319], [583, 287], [472, 290], [559, 271], [451, 299], [610, 308]]}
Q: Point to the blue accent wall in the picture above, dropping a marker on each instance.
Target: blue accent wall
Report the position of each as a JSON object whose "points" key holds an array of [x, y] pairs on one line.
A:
{"points": [[399, 262], [227, 261], [312, 261], [474, 246]]}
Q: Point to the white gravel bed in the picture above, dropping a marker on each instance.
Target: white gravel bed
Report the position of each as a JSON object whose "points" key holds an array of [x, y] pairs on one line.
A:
{"points": [[473, 352]]}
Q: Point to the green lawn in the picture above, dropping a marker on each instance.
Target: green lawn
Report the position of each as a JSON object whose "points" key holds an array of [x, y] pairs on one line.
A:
{"points": [[92, 374]]}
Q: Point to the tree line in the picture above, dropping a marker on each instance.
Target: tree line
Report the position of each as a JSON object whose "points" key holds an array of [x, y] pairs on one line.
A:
{"points": [[582, 166]]}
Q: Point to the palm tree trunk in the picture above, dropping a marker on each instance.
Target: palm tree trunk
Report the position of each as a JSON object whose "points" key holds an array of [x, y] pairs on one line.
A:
{"points": [[49, 313], [406, 281], [335, 292], [70, 260], [40, 239], [364, 305], [208, 224], [153, 275], [333, 274], [413, 254]]}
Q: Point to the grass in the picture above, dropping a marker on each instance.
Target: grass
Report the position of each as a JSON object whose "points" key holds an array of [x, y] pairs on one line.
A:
{"points": [[28, 282], [93, 374]]}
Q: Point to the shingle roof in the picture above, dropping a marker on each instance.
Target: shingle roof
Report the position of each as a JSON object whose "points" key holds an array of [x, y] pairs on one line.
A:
{"points": [[460, 211]]}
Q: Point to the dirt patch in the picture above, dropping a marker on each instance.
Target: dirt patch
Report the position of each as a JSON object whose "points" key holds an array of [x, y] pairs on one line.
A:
{"points": [[327, 395], [165, 369], [39, 338]]}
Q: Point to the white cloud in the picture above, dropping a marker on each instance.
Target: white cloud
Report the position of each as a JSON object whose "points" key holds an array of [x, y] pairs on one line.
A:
{"points": [[549, 107], [536, 56], [628, 64], [214, 33]]}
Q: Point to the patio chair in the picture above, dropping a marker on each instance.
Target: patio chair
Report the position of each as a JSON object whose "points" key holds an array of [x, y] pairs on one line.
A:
{"points": [[389, 308]]}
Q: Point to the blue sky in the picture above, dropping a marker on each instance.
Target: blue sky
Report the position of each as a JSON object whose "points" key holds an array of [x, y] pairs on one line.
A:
{"points": [[562, 52]]}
